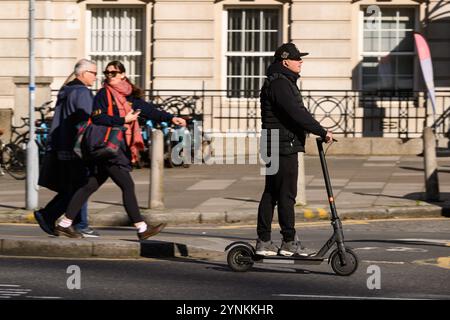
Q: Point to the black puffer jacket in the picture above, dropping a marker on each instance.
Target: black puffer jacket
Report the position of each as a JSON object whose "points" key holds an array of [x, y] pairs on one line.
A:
{"points": [[282, 108]]}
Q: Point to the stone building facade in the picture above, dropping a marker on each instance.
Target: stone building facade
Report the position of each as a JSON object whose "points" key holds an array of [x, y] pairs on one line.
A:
{"points": [[222, 44]]}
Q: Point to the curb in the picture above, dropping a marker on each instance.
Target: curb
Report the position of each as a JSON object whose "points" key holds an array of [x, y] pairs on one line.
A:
{"points": [[177, 217], [170, 247], [104, 249]]}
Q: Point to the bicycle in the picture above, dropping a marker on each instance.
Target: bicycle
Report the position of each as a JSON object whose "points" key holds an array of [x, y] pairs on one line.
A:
{"points": [[13, 154], [173, 136], [43, 126]]}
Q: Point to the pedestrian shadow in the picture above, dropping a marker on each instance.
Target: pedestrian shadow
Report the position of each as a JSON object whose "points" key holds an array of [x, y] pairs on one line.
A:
{"points": [[271, 269], [117, 204], [178, 233], [208, 236], [161, 249], [410, 196], [417, 196], [171, 251], [242, 199], [411, 168], [11, 207], [440, 170]]}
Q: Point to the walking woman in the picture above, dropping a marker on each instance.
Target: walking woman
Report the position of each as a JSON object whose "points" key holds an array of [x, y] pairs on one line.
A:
{"points": [[127, 105]]}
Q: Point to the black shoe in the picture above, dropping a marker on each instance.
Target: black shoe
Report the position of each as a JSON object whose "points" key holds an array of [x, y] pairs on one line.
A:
{"points": [[68, 232], [45, 226], [151, 231]]}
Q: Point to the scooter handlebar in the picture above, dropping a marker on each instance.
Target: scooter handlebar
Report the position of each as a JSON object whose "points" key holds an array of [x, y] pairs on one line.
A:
{"points": [[322, 140]]}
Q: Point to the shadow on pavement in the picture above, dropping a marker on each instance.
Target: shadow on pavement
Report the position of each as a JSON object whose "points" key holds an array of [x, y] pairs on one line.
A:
{"points": [[10, 207], [167, 251], [418, 196], [208, 235], [241, 199], [117, 204], [421, 169], [223, 267]]}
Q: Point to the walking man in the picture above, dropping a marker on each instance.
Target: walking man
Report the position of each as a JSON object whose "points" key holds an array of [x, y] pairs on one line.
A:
{"points": [[63, 171]]}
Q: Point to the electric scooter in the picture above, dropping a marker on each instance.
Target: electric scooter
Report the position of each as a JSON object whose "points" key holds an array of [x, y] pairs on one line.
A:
{"points": [[344, 262]]}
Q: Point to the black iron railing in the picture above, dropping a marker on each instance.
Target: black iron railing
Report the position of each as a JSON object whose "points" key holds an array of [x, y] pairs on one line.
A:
{"points": [[348, 113]]}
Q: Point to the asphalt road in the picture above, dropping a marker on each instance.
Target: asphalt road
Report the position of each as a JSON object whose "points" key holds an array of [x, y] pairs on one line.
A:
{"points": [[406, 259]]}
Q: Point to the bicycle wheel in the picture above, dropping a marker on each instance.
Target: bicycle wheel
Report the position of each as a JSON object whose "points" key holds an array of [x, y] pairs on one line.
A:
{"points": [[14, 161]]}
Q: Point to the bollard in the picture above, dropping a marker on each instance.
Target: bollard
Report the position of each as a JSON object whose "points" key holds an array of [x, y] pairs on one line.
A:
{"points": [[156, 199], [300, 200], [430, 164]]}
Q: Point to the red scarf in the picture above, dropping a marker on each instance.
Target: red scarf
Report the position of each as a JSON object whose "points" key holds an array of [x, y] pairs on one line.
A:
{"points": [[133, 136]]}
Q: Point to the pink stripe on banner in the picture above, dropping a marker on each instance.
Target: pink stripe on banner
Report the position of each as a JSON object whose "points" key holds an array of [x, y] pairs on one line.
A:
{"points": [[422, 47]]}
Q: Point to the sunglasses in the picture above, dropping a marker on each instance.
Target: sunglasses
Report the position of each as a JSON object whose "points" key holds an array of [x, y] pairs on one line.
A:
{"points": [[93, 72], [111, 73]]}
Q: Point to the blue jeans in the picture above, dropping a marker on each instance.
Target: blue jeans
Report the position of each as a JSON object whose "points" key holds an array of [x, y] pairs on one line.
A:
{"points": [[83, 224], [58, 206]]}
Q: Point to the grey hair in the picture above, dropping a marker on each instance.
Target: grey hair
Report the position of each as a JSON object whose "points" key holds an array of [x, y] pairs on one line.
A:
{"points": [[82, 65]]}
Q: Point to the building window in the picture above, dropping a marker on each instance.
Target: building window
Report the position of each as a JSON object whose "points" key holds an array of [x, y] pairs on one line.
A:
{"points": [[252, 37], [117, 34], [388, 51]]}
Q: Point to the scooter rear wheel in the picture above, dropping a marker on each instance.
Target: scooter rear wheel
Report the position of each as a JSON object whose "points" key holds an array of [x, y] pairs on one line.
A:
{"points": [[351, 260], [236, 257]]}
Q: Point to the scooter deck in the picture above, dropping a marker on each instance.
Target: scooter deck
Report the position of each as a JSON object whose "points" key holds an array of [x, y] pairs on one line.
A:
{"points": [[278, 259]]}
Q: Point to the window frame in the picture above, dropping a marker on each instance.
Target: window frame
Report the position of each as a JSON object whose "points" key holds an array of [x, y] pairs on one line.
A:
{"points": [[226, 53], [88, 40], [362, 54]]}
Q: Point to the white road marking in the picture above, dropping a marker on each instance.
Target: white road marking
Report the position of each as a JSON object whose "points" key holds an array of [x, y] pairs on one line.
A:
{"points": [[408, 174], [446, 242], [365, 185], [211, 185], [15, 290], [12, 290], [383, 158], [42, 297], [11, 192], [9, 285], [379, 165], [383, 262], [405, 249], [345, 297]]}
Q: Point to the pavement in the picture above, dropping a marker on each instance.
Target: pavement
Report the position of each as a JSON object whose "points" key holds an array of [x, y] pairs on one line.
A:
{"points": [[371, 187]]}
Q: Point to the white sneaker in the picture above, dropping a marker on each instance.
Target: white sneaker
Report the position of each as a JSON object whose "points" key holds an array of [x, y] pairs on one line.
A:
{"points": [[266, 248], [291, 248]]}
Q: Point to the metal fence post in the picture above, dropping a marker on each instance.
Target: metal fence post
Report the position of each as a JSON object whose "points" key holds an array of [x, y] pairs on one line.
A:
{"points": [[156, 199], [430, 164], [300, 200], [32, 161]]}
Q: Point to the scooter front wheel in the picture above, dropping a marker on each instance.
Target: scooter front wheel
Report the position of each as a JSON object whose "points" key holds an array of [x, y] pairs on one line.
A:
{"points": [[240, 258], [351, 260]]}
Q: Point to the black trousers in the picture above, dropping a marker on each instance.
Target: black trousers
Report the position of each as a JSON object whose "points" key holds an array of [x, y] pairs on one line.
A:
{"points": [[57, 206], [280, 190], [121, 177]]}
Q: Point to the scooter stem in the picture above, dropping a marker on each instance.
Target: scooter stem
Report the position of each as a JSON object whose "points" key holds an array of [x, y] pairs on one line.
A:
{"points": [[335, 221], [326, 176]]}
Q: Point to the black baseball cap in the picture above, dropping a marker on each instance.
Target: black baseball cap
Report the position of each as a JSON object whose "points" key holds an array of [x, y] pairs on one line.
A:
{"points": [[289, 51]]}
